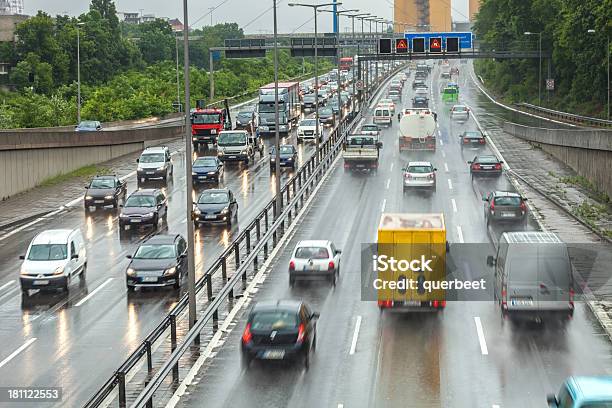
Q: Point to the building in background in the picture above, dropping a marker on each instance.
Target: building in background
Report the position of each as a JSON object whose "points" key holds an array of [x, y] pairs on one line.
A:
{"points": [[11, 7], [176, 25], [422, 15], [474, 6]]}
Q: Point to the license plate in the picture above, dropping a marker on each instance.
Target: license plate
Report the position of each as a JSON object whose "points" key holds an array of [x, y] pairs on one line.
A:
{"points": [[232, 157], [521, 302], [487, 167], [150, 172], [273, 354], [210, 217], [99, 201], [149, 279], [202, 177], [135, 220], [412, 303], [507, 214], [40, 282]]}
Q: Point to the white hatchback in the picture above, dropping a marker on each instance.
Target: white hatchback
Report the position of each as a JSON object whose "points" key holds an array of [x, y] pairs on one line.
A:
{"points": [[314, 259]]}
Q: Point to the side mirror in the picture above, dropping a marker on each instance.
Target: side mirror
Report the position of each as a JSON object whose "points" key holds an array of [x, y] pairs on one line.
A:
{"points": [[22, 257], [74, 256], [128, 256], [552, 400], [470, 162], [525, 198], [86, 187], [379, 145], [501, 161], [120, 205], [137, 160], [183, 255], [315, 315], [484, 197], [491, 260], [435, 169], [338, 252]]}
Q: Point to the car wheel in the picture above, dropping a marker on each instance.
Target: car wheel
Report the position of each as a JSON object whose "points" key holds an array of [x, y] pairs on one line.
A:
{"points": [[66, 285], [314, 342], [291, 281], [177, 283], [83, 272], [332, 279], [25, 292], [116, 203], [307, 360]]}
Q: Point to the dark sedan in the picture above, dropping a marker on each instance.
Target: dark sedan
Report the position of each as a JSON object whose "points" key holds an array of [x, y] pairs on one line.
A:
{"points": [[280, 330], [103, 191], [420, 102], [504, 206], [207, 169], [472, 138], [288, 157], [159, 261], [309, 101], [334, 105], [215, 205], [143, 207], [327, 116], [244, 120], [485, 165], [88, 126]]}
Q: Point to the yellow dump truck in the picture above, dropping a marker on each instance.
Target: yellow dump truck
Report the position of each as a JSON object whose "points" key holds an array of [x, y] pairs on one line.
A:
{"points": [[410, 262]]}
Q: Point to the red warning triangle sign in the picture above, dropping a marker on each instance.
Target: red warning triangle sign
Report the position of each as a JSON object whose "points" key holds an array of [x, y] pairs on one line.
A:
{"points": [[435, 44], [402, 44]]}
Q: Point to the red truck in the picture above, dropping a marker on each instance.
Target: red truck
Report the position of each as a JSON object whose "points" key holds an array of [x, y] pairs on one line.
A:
{"points": [[346, 63], [207, 123]]}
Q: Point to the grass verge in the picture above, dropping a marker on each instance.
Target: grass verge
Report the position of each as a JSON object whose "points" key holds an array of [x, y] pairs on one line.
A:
{"points": [[83, 172]]}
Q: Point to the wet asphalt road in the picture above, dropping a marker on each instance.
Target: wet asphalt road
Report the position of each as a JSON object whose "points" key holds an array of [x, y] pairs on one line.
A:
{"points": [[77, 340], [411, 360]]}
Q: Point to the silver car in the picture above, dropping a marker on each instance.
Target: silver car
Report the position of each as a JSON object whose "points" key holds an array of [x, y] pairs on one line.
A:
{"points": [[460, 112], [419, 175], [314, 259]]}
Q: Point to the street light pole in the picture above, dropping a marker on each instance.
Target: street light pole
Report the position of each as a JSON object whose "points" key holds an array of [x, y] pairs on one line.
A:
{"points": [[79, 72], [279, 198], [540, 64], [591, 31], [188, 179], [315, 7], [178, 86]]}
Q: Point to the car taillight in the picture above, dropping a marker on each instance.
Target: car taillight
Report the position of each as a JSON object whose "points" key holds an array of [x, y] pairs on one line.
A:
{"points": [[492, 206], [504, 294], [571, 297], [481, 141], [435, 304], [498, 166], [407, 176], [523, 207], [331, 265], [431, 176], [292, 265], [247, 336], [301, 333], [385, 303], [442, 304], [466, 140], [476, 166]]}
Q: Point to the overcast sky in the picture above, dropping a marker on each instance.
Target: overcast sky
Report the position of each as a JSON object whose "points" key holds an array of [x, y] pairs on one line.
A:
{"points": [[253, 15]]}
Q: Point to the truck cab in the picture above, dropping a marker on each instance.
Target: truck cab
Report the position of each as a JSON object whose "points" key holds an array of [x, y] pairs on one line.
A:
{"points": [[207, 124], [236, 145]]}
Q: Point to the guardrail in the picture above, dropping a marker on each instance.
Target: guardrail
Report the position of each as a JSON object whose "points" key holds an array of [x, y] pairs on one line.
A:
{"points": [[250, 249], [564, 116]]}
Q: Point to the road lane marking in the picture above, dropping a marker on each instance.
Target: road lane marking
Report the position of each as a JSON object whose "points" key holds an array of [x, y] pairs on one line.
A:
{"points": [[355, 335], [446, 167], [441, 142], [460, 234], [454, 203], [340, 405], [391, 169], [7, 284], [440, 134], [96, 290], [481, 337], [495, 406], [16, 352], [383, 205], [388, 182], [450, 184], [443, 154]]}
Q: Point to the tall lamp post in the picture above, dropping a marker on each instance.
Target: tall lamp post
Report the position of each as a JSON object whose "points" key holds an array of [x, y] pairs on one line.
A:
{"points": [[540, 64], [188, 170], [592, 31], [79, 71], [314, 8], [178, 86], [354, 40], [279, 197]]}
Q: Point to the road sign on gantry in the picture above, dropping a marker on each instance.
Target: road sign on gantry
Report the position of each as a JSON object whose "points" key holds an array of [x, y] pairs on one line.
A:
{"points": [[384, 46], [435, 44], [452, 44], [465, 38], [418, 44], [401, 46]]}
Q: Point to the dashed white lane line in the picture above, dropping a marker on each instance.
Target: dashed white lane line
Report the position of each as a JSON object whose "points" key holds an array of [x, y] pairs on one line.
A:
{"points": [[495, 406], [443, 154], [384, 204], [460, 234], [450, 184], [7, 284], [16, 352], [99, 288], [439, 134], [388, 182], [454, 203], [355, 335], [446, 167], [391, 168], [441, 142], [481, 338], [340, 405]]}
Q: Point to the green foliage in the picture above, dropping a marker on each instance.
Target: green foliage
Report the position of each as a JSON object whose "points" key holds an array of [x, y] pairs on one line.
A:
{"points": [[579, 63]]}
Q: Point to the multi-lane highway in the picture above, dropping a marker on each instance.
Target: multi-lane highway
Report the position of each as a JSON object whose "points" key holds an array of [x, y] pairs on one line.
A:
{"points": [[463, 357]]}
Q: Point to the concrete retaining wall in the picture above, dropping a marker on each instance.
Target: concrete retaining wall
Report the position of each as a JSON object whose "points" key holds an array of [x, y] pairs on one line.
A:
{"points": [[588, 152], [27, 159]]}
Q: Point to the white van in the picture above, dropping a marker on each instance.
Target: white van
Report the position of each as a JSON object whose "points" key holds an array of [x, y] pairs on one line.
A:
{"points": [[53, 258], [383, 116]]}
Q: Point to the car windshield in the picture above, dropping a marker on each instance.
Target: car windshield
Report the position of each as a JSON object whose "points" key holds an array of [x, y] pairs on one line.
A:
{"points": [[473, 135], [361, 141], [245, 115], [140, 201], [311, 253], [487, 159], [213, 197], [325, 111], [598, 404], [232, 139], [155, 251], [102, 183], [459, 108], [205, 162], [385, 101], [382, 112], [309, 98], [369, 128], [88, 124], [308, 122], [48, 252], [152, 158], [450, 91], [511, 201], [274, 320], [420, 169], [206, 118]]}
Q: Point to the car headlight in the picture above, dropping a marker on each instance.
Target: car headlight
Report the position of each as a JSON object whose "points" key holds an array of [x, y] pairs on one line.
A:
{"points": [[193, 173], [151, 214], [243, 151], [88, 197], [108, 197], [23, 270], [220, 153], [212, 172], [160, 168], [213, 131], [225, 210], [170, 271], [283, 127], [197, 211], [131, 272], [195, 139], [139, 168], [59, 270]]}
